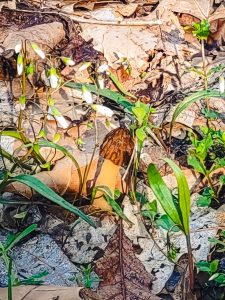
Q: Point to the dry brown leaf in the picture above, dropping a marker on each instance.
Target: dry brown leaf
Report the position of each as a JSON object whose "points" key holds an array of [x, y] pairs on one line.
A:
{"points": [[42, 292], [201, 9], [123, 275]]}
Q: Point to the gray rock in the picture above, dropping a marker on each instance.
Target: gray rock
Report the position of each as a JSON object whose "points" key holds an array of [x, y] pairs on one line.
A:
{"points": [[41, 253]]}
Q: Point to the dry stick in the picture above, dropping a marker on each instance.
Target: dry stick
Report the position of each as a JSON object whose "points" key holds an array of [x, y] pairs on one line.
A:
{"points": [[97, 22]]}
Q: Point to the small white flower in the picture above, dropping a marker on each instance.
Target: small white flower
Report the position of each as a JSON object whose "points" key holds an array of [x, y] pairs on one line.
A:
{"points": [[38, 50], [18, 48], [22, 101], [103, 69], [62, 122], [53, 78], [222, 83], [67, 61], [85, 66], [20, 64], [101, 82], [103, 110], [119, 55], [87, 96]]}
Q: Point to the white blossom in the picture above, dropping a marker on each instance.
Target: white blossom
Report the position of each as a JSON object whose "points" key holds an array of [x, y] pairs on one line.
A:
{"points": [[67, 61], [101, 82], [87, 96], [103, 69], [18, 48], [38, 50], [20, 64], [62, 122], [53, 78], [102, 110], [222, 83], [85, 66]]}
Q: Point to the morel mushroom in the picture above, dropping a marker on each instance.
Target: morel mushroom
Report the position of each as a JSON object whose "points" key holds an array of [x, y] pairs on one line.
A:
{"points": [[116, 150]]}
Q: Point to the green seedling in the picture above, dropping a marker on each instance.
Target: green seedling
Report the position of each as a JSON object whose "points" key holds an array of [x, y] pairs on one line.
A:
{"points": [[206, 156], [88, 278], [178, 211], [5, 253]]}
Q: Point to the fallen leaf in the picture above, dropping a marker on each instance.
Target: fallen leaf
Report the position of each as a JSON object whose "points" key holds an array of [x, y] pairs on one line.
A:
{"points": [[42, 292], [123, 275], [201, 9]]}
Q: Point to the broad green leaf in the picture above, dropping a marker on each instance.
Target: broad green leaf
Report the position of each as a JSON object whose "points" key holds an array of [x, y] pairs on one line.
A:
{"points": [[166, 223], [48, 193], [140, 133], [114, 96], [203, 201], [196, 164], [191, 99], [183, 195], [203, 266], [163, 194], [214, 265]]}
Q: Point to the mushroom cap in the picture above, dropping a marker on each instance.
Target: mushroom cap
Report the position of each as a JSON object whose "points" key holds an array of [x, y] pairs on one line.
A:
{"points": [[118, 146]]}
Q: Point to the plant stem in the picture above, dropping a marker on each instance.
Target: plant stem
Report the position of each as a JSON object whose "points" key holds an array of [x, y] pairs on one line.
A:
{"points": [[212, 187], [204, 70], [190, 261]]}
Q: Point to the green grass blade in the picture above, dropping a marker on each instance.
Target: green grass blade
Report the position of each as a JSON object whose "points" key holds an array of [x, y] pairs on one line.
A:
{"points": [[119, 85], [191, 99], [20, 236], [67, 153], [114, 96], [11, 133], [183, 193], [48, 193], [163, 194]]}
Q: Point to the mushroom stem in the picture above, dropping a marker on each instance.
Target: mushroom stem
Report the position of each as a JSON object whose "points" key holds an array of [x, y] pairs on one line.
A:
{"points": [[108, 177]]}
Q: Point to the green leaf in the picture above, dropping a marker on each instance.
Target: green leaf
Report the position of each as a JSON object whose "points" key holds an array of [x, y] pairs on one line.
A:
{"points": [[139, 113], [214, 265], [201, 29], [48, 193], [65, 152], [214, 276], [191, 99], [118, 210], [203, 266], [183, 195], [119, 85], [114, 96], [210, 114], [166, 223], [163, 194], [18, 237], [196, 164], [21, 215], [11, 133], [203, 201], [109, 196], [140, 133]]}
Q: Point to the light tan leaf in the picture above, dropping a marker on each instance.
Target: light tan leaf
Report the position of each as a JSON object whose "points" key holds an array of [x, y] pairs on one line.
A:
{"points": [[42, 292], [201, 9]]}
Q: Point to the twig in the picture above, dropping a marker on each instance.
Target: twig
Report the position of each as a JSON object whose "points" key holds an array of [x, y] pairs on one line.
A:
{"points": [[98, 22]]}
